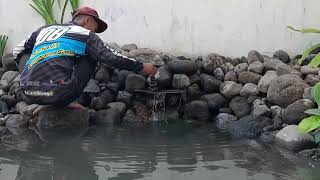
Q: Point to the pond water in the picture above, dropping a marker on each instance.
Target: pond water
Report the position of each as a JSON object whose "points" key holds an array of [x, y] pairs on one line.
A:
{"points": [[153, 151]]}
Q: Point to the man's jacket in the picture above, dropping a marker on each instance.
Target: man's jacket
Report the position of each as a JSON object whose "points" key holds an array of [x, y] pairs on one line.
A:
{"points": [[49, 73]]}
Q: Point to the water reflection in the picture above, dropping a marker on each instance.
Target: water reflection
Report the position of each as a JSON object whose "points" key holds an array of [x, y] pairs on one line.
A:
{"points": [[154, 151]]}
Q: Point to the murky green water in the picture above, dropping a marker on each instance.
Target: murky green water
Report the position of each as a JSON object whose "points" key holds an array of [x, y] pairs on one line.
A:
{"points": [[157, 152]]}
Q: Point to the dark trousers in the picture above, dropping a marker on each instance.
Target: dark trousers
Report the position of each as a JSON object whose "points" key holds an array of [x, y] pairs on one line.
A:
{"points": [[83, 71]]}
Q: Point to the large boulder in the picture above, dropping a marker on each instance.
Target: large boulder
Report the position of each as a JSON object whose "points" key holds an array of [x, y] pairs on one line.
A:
{"points": [[219, 74], [261, 109], [9, 63], [312, 79], [231, 76], [282, 55], [210, 84], [249, 77], [240, 68], [183, 66], [294, 113], [286, 89], [240, 106], [135, 82], [283, 69], [197, 110], [92, 87], [124, 96], [163, 77], [118, 106], [271, 64], [108, 116], [215, 101], [194, 92], [223, 120], [212, 62], [227, 67], [249, 89], [180, 81], [309, 70], [230, 89], [58, 118], [16, 123], [253, 56], [256, 67], [290, 138], [9, 76], [103, 75], [265, 81]]}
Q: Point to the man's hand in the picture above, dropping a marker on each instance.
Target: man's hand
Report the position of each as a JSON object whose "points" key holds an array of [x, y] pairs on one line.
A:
{"points": [[149, 69]]}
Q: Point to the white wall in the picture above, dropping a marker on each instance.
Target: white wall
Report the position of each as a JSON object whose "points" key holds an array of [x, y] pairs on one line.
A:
{"points": [[228, 27]]}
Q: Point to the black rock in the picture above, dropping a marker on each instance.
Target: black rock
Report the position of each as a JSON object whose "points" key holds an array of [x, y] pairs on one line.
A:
{"points": [[197, 110], [103, 75], [124, 96], [282, 55], [193, 92], [16, 123], [240, 106], [210, 84], [183, 67], [294, 113], [9, 63], [249, 77], [164, 77], [135, 82], [108, 116], [215, 101]]}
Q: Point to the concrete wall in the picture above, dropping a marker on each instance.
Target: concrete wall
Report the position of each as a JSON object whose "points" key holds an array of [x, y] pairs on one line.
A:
{"points": [[228, 27]]}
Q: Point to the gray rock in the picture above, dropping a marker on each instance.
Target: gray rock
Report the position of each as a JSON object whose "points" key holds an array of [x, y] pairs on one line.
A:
{"points": [[108, 96], [290, 138], [223, 120], [256, 67], [131, 117], [124, 96], [20, 107], [231, 76], [180, 81], [240, 106], [119, 106], [268, 137], [9, 63], [209, 84], [276, 111], [282, 55], [194, 92], [108, 116], [224, 110], [309, 94], [286, 89], [9, 76], [309, 70], [98, 103], [241, 67], [9, 100], [135, 82], [55, 119], [294, 113], [271, 64], [92, 87], [219, 74], [28, 110], [283, 69], [249, 77], [254, 56], [16, 123], [230, 89], [113, 87], [227, 67], [122, 77], [312, 79], [249, 89], [103, 75], [243, 59], [212, 62], [197, 110], [142, 51], [158, 61], [265, 81], [250, 126], [129, 47], [310, 153], [142, 110], [215, 101], [183, 67], [260, 109]]}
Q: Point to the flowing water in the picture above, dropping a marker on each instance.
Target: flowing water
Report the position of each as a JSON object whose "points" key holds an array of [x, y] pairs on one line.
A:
{"points": [[156, 151]]}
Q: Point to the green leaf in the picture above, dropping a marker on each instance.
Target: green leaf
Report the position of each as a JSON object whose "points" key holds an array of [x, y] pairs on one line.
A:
{"points": [[313, 111], [63, 10], [316, 92], [315, 62], [309, 124], [307, 30], [307, 52]]}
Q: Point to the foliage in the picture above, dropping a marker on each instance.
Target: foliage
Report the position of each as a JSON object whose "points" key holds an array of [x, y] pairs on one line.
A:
{"points": [[308, 30], [3, 42], [307, 52], [74, 4], [45, 10]]}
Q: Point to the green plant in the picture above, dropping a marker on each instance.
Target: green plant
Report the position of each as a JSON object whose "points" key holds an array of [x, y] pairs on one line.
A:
{"points": [[45, 9], [3, 42], [74, 4], [315, 49]]}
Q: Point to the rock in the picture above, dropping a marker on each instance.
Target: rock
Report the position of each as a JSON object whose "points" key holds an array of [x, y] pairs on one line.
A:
{"points": [[113, 87], [131, 117], [283, 69], [195, 79], [276, 111], [265, 81], [20, 107], [9, 100], [227, 67], [108, 96], [312, 79], [113, 45], [92, 87], [135, 82], [158, 61], [124, 96], [197, 110], [249, 77], [309, 70], [260, 109], [231, 76], [310, 153], [250, 126], [210, 84], [9, 76], [183, 67], [249, 89], [268, 137], [108, 116], [282, 55], [142, 51], [243, 59], [286, 89], [163, 77], [223, 120], [219, 74], [254, 56], [98, 103], [256, 67], [240, 106], [103, 75], [290, 138], [9, 63], [142, 111], [212, 62], [180, 81], [240, 68], [16, 123], [294, 113], [122, 77], [194, 92], [119, 106], [62, 118], [129, 47], [308, 94], [271, 64], [230, 89], [215, 101]]}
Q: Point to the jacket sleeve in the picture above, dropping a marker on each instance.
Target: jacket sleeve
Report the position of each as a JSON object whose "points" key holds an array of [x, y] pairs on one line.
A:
{"points": [[99, 52], [25, 47]]}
